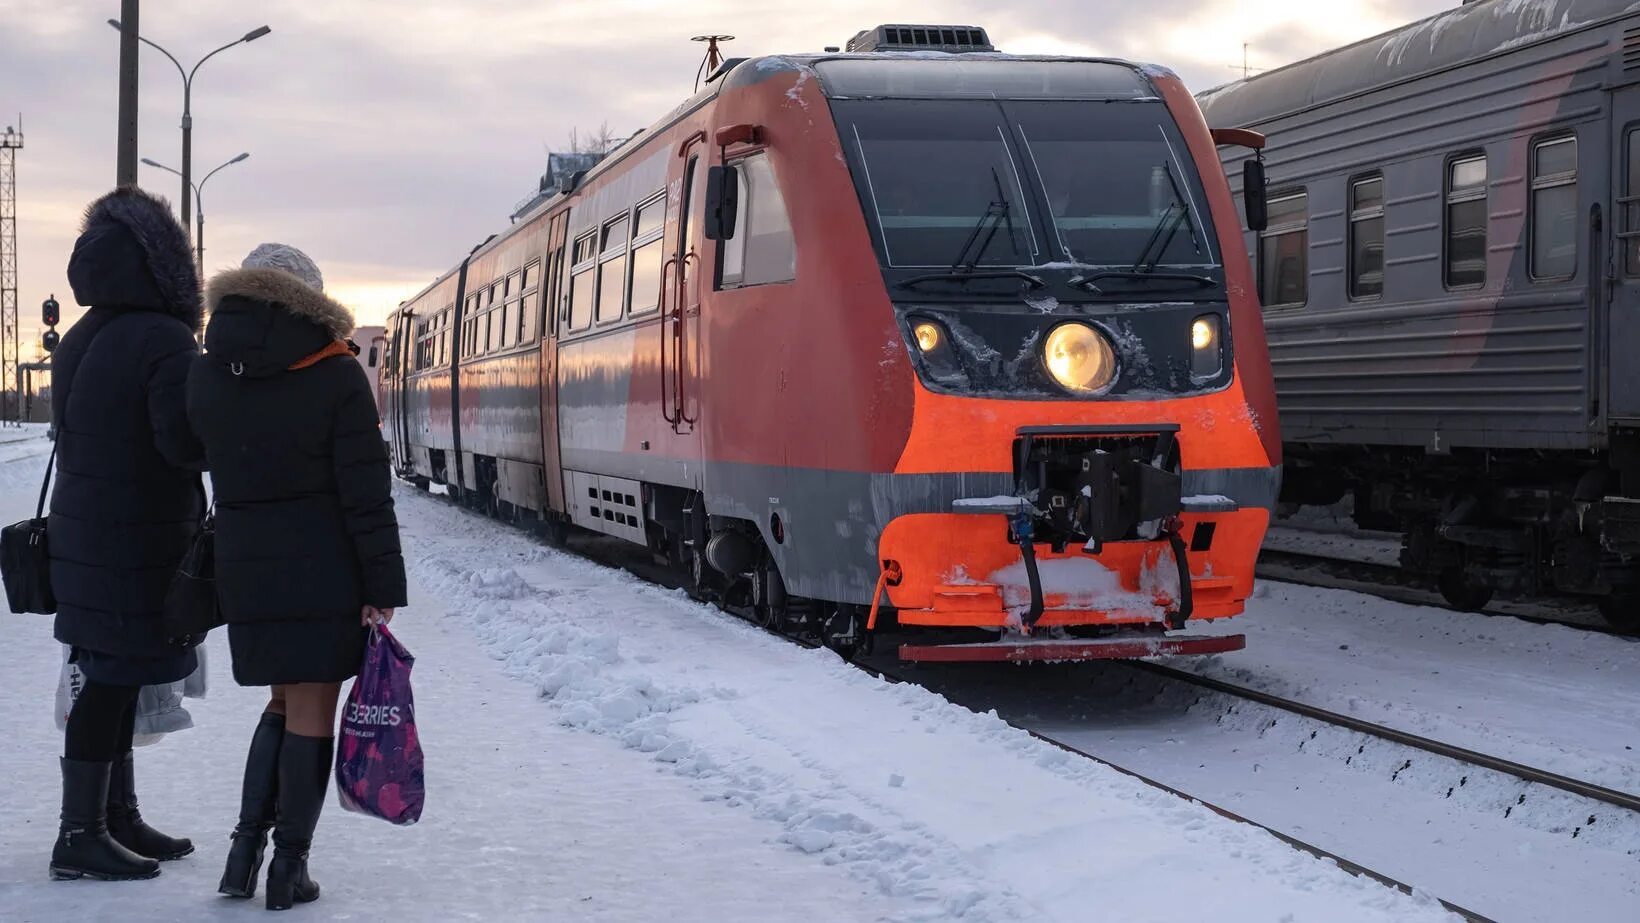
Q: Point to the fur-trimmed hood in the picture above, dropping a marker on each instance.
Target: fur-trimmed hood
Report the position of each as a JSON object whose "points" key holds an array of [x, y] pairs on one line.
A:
{"points": [[264, 321], [285, 291], [131, 253]]}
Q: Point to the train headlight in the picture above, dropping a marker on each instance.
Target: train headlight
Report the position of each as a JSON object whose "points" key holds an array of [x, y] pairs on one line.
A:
{"points": [[1079, 358], [1206, 350], [929, 336]]}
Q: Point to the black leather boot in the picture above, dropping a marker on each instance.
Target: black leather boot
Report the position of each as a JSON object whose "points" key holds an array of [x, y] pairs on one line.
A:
{"points": [[125, 823], [304, 774], [256, 806], [84, 849]]}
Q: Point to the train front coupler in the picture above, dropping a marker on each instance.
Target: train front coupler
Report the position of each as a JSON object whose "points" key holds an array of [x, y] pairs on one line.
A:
{"points": [[1090, 486]]}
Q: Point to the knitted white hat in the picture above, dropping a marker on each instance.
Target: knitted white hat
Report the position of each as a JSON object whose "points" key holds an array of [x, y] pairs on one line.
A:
{"points": [[287, 259]]}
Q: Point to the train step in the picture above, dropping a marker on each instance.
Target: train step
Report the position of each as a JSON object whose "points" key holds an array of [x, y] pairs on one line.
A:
{"points": [[1057, 650]]}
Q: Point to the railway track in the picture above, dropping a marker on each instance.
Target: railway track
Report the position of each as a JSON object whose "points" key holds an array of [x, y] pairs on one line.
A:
{"points": [[1589, 790], [1392, 583]]}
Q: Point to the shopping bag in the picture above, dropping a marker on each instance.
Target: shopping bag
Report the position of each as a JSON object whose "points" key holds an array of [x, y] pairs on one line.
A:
{"points": [[378, 756], [159, 708]]}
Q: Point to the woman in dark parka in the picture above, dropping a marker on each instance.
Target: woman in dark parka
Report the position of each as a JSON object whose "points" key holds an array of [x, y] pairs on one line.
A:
{"points": [[307, 544], [127, 501]]}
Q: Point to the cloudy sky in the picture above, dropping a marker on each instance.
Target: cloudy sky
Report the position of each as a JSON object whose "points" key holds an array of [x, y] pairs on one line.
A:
{"points": [[388, 137]]}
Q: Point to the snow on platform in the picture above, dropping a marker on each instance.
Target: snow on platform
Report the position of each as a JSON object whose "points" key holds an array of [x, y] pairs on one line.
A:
{"points": [[683, 766]]}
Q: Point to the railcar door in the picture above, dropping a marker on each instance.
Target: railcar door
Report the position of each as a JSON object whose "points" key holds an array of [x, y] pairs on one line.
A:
{"points": [[680, 329], [1623, 267], [399, 389], [552, 283]]}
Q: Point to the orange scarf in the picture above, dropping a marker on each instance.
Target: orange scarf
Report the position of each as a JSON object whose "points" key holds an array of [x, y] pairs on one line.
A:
{"points": [[334, 348]]}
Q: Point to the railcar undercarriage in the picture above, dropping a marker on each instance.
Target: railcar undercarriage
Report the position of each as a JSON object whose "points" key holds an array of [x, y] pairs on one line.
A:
{"points": [[1484, 522]]}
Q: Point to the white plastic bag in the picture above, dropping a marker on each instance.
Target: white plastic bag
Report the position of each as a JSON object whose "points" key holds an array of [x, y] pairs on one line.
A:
{"points": [[159, 708]]}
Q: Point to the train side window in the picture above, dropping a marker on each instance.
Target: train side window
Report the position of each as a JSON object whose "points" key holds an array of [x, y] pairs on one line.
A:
{"points": [[580, 284], [647, 257], [506, 318], [1367, 237], [1284, 252], [1466, 222], [527, 318], [763, 250], [612, 270], [1554, 209]]}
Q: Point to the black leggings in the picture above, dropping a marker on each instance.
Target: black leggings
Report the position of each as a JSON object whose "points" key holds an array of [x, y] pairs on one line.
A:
{"points": [[101, 724]]}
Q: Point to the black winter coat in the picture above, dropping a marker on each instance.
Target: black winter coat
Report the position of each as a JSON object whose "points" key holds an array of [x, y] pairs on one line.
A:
{"points": [[306, 534], [128, 495]]}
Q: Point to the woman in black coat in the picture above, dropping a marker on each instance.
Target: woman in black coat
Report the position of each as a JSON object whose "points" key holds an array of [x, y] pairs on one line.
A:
{"points": [[307, 545], [127, 502]]}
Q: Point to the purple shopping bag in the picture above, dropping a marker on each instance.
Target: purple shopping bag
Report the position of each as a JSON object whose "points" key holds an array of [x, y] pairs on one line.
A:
{"points": [[378, 756]]}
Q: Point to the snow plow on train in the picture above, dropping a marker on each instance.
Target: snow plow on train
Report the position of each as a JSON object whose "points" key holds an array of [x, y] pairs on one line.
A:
{"points": [[947, 348]]}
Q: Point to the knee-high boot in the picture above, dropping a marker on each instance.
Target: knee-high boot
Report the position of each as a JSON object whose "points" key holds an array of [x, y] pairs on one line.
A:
{"points": [[257, 799], [304, 775]]}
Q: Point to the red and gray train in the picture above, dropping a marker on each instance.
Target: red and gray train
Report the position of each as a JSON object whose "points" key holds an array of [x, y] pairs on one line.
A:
{"points": [[963, 345]]}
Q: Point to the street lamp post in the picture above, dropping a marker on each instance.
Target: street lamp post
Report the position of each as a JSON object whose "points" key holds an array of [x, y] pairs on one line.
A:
{"points": [[199, 203], [187, 104]]}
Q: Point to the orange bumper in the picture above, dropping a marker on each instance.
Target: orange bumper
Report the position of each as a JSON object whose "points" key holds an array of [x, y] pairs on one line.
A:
{"points": [[960, 570]]}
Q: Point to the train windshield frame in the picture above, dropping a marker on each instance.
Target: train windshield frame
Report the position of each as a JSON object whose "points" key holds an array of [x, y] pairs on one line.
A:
{"points": [[1042, 181]]}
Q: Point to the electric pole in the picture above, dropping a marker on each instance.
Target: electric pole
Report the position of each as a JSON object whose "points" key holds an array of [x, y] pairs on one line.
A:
{"points": [[126, 172], [10, 143]]}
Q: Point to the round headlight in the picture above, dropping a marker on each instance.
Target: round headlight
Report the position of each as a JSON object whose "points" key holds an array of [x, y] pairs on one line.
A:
{"points": [[1079, 358], [1202, 333], [928, 336]]}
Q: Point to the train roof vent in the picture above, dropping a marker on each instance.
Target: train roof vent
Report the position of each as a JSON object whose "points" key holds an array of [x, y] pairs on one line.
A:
{"points": [[1631, 48], [954, 39]]}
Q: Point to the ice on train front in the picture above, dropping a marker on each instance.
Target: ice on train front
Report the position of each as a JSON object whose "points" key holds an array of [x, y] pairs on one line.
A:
{"points": [[1092, 454]]}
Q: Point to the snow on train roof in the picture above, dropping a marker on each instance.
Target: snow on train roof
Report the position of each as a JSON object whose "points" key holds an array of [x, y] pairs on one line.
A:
{"points": [[1457, 36]]}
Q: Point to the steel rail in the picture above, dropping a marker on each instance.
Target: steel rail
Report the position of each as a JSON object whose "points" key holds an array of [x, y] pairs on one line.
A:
{"points": [[1521, 771]]}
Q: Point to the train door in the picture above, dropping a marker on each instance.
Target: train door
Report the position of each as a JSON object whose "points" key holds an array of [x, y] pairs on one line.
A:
{"points": [[1623, 268], [399, 388], [681, 327], [552, 284]]}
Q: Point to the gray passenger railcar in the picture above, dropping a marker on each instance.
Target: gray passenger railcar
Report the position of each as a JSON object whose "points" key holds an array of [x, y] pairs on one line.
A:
{"points": [[1451, 282]]}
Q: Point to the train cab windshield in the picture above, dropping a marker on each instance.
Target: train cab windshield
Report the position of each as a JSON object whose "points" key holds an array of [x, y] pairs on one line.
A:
{"points": [[1045, 165]]}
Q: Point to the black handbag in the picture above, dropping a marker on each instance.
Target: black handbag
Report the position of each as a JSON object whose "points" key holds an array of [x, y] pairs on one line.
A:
{"points": [[25, 561], [191, 605]]}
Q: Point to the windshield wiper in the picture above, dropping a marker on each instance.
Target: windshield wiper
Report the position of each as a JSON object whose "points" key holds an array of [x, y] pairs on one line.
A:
{"points": [[997, 214], [1149, 275], [1167, 227], [963, 275]]}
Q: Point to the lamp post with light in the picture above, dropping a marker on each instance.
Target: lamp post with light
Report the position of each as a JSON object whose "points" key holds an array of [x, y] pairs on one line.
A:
{"points": [[199, 200], [187, 104]]}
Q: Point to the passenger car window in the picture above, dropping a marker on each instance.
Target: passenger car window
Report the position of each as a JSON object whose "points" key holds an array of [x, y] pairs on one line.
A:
{"points": [[1284, 252], [612, 271], [1367, 237], [1554, 209], [580, 285], [763, 249], [1466, 222]]}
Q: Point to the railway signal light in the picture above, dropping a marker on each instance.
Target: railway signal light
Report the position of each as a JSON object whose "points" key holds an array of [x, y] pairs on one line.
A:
{"points": [[49, 340], [50, 312]]}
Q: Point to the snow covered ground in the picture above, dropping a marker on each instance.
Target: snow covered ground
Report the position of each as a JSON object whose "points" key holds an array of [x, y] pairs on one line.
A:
{"points": [[600, 749]]}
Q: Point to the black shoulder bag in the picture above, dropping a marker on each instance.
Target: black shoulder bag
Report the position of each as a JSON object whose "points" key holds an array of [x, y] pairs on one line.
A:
{"points": [[191, 605], [25, 562]]}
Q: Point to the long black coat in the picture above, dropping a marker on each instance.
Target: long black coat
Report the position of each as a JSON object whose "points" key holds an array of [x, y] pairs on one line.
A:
{"points": [[306, 534], [128, 496]]}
